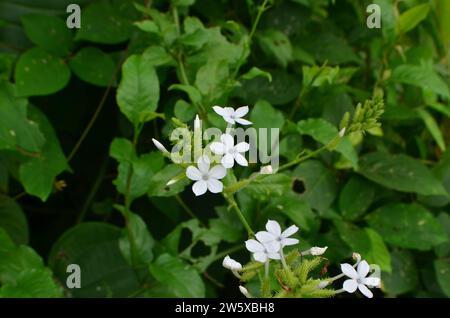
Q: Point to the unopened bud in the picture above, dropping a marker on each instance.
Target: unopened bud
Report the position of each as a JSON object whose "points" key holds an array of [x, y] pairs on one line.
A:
{"points": [[317, 251], [160, 146], [244, 291]]}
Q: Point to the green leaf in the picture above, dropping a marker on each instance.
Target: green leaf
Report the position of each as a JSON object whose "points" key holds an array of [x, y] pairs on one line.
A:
{"points": [[138, 91], [408, 226], [316, 76], [180, 278], [157, 56], [49, 33], [442, 13], [184, 111], [17, 131], [433, 127], [136, 243], [158, 183], [401, 173], [147, 26], [421, 76], [256, 72], [263, 115], [276, 45], [184, 3], [404, 277], [269, 186], [409, 19], [32, 283], [324, 132], [102, 23], [444, 248], [319, 182], [38, 174], [193, 93], [211, 80], [95, 248], [13, 220], [93, 66], [442, 268], [40, 73], [355, 198]]}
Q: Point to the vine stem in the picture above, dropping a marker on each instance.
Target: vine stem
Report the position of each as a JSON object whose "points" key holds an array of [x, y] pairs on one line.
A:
{"points": [[232, 203]]}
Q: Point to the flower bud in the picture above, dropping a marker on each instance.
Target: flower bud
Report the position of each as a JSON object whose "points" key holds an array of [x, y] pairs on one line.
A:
{"points": [[244, 291], [160, 146], [317, 251], [231, 264]]}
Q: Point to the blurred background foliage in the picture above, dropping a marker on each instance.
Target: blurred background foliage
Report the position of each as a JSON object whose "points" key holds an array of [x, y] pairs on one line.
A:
{"points": [[72, 164]]}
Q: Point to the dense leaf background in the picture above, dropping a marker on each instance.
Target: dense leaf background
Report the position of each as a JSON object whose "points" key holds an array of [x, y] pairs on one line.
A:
{"points": [[78, 110]]}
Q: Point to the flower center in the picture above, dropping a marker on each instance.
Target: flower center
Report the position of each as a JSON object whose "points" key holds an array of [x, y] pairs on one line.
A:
{"points": [[205, 177], [359, 280]]}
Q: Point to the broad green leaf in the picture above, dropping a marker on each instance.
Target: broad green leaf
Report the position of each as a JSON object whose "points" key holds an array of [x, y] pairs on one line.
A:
{"points": [[158, 183], [367, 242], [319, 182], [48, 32], [180, 278], [442, 268], [193, 93], [433, 127], [138, 91], [102, 23], [32, 283], [6, 243], [270, 186], [136, 243], [17, 131], [147, 26], [13, 220], [157, 56], [407, 225], [388, 19], [276, 45], [444, 248], [401, 173], [40, 73], [93, 66], [263, 115], [38, 174], [184, 111], [256, 72], [404, 276], [421, 76], [211, 80], [95, 248], [355, 198], [324, 132], [409, 19], [7, 61]]}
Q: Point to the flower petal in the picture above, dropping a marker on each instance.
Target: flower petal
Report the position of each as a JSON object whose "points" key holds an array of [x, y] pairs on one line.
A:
{"points": [[274, 255], [350, 285], [240, 159], [265, 237], [217, 172], [222, 111], [372, 281], [273, 227], [254, 246], [363, 269], [272, 246], [243, 121], [366, 291], [203, 164], [242, 147], [227, 140], [214, 185], [260, 257], [217, 147], [289, 231], [289, 241], [349, 271], [199, 187], [193, 173], [227, 161], [241, 111], [229, 120]]}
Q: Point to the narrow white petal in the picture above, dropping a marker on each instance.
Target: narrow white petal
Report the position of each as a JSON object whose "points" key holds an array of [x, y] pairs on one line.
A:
{"points": [[227, 140], [366, 292], [229, 120], [272, 246], [242, 147], [260, 257], [214, 185], [273, 227], [254, 246], [289, 231], [350, 285], [193, 173], [372, 281], [265, 237], [199, 187], [241, 111], [274, 255], [243, 121], [217, 172], [217, 147], [363, 269], [203, 164], [349, 271], [289, 241], [227, 161], [219, 110], [228, 111]]}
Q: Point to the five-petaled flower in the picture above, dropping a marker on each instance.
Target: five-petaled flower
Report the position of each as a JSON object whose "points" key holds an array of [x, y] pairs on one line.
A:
{"points": [[273, 235], [230, 151], [358, 279], [262, 252], [206, 178], [232, 116]]}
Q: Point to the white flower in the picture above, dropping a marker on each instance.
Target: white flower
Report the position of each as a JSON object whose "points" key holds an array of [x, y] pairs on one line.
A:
{"points": [[262, 252], [206, 178], [317, 251], [159, 146], [358, 279], [233, 116], [274, 235], [244, 291], [231, 264], [230, 151]]}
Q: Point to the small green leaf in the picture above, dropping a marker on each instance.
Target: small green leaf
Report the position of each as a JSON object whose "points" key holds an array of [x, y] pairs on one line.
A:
{"points": [[184, 111], [263, 115], [93, 66], [256, 72], [194, 94], [32, 283], [404, 276], [442, 268], [157, 56], [158, 183], [355, 198], [276, 45], [270, 186], [433, 127], [147, 26], [40, 73], [211, 80], [409, 19], [13, 220]]}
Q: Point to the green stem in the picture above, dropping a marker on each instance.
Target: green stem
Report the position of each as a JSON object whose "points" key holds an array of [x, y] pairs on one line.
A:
{"points": [[232, 203]]}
